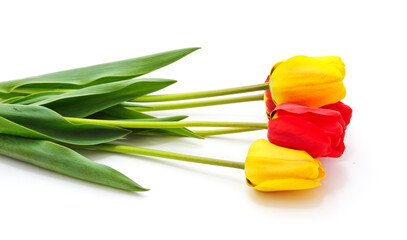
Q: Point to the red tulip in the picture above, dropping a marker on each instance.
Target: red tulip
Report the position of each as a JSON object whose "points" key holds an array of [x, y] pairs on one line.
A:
{"points": [[318, 131]]}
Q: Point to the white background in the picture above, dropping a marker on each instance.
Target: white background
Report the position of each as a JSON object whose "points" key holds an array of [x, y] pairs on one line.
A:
{"points": [[363, 193]]}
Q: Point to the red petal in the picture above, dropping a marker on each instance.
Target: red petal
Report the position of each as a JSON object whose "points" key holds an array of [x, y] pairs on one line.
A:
{"points": [[293, 132], [328, 121], [267, 79], [344, 109], [300, 109], [338, 151]]}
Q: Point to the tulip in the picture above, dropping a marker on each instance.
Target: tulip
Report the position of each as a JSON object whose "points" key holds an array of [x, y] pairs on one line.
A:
{"points": [[269, 167], [309, 81], [318, 131]]}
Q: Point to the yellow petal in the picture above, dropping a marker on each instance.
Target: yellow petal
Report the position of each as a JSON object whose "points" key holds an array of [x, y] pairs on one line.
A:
{"points": [[334, 61], [308, 81], [285, 185], [266, 161], [262, 147], [275, 66], [331, 60]]}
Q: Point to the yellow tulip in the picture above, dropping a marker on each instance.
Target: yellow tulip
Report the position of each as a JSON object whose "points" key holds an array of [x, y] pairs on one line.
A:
{"points": [[269, 167], [309, 81]]}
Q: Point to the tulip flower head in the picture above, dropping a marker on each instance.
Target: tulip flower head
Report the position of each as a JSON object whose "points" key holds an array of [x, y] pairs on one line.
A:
{"points": [[309, 81], [269, 167], [318, 131]]}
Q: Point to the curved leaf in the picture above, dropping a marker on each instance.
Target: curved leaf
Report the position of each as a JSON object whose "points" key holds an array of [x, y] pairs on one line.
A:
{"points": [[11, 95], [125, 113], [60, 159], [35, 97], [43, 123], [86, 101], [121, 112], [98, 74]]}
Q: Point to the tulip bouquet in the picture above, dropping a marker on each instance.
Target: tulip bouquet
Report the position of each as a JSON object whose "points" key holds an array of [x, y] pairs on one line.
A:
{"points": [[306, 121], [43, 119]]}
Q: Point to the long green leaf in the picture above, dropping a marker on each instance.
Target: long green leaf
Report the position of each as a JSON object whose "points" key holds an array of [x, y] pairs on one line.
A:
{"points": [[122, 112], [35, 97], [86, 101], [98, 74], [43, 123], [60, 159], [11, 95], [125, 113]]}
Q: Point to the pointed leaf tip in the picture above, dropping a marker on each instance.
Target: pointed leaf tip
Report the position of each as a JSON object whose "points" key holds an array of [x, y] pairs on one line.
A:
{"points": [[100, 73]]}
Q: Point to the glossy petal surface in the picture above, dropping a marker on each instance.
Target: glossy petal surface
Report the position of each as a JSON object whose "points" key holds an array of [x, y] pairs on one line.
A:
{"points": [[308, 81], [270, 167]]}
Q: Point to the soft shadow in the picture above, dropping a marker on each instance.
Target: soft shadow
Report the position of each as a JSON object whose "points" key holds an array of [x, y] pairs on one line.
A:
{"points": [[336, 175], [336, 179], [310, 198]]}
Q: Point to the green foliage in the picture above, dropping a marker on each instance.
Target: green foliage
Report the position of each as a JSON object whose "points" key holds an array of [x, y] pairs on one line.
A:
{"points": [[97, 74], [60, 159], [32, 111], [86, 101], [43, 123]]}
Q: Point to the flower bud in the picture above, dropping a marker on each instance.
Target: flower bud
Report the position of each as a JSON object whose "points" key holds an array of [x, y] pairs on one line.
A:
{"points": [[318, 131], [269, 167], [309, 81]]}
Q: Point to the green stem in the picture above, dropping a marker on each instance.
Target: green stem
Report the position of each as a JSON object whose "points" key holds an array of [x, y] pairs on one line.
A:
{"points": [[160, 124], [223, 131], [164, 154], [201, 94], [211, 132], [171, 106]]}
